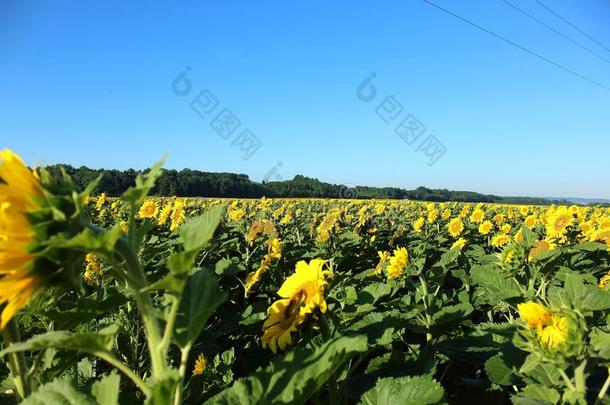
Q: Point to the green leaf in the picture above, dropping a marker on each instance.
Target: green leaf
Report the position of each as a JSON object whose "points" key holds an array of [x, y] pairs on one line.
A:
{"points": [[574, 287], [531, 362], [58, 392], [600, 343], [499, 371], [88, 342], [85, 310], [226, 268], [92, 240], [404, 390], [380, 327], [144, 183], [449, 316], [596, 299], [536, 394], [179, 265], [200, 298], [197, 232], [106, 390], [497, 286], [294, 377]]}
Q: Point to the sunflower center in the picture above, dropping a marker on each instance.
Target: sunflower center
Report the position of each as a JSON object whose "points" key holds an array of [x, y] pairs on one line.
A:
{"points": [[296, 302]]}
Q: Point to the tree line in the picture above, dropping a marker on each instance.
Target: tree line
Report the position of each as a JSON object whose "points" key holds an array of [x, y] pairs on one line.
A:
{"points": [[195, 183]]}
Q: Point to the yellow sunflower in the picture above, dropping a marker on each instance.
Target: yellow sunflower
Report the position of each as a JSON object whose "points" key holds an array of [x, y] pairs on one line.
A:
{"points": [[555, 334], [254, 277], [302, 293], [236, 214], [384, 257], [199, 367], [18, 196], [455, 227], [178, 215], [398, 262], [166, 211], [530, 221], [500, 239], [477, 216], [485, 227], [539, 247], [418, 225], [557, 223], [148, 209], [460, 243], [535, 315], [260, 228]]}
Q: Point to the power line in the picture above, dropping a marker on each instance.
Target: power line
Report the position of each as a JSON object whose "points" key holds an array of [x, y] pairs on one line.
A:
{"points": [[518, 46], [573, 26], [556, 31]]}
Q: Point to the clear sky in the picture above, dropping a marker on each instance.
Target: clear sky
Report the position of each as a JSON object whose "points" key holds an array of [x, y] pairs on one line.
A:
{"points": [[90, 83]]}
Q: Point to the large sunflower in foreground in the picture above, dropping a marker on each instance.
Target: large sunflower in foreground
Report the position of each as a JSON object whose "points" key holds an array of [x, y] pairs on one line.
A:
{"points": [[302, 293], [19, 193], [39, 215]]}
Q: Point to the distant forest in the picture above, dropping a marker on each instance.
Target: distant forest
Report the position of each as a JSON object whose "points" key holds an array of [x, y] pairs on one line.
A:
{"points": [[195, 183]]}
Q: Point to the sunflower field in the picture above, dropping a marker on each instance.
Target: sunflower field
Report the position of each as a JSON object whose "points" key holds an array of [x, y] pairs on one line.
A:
{"points": [[140, 299]]}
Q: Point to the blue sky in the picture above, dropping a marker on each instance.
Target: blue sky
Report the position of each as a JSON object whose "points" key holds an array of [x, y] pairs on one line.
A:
{"points": [[90, 83]]}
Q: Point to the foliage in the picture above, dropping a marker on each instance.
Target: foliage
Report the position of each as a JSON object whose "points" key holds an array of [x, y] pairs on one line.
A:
{"points": [[412, 302]]}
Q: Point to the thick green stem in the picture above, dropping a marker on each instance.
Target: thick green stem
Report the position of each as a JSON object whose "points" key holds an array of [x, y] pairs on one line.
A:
{"points": [[567, 380], [579, 377], [110, 359], [17, 363], [424, 287], [169, 326], [137, 281]]}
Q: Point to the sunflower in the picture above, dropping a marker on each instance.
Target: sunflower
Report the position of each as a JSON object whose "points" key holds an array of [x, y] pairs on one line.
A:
{"points": [[302, 293], [418, 225], [19, 195], [477, 216], [603, 236], [398, 262], [485, 227], [38, 214], [199, 367], [92, 269], [555, 334], [260, 228], [500, 239], [539, 247], [384, 257], [604, 281], [164, 214], [535, 315], [252, 278], [236, 214], [178, 215], [530, 221], [101, 200], [460, 243], [455, 227], [148, 209], [557, 223]]}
